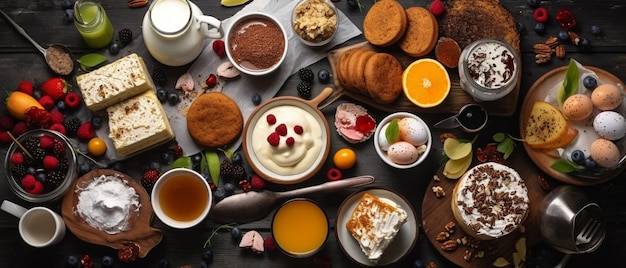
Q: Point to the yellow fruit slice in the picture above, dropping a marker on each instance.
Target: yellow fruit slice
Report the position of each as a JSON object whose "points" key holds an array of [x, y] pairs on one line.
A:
{"points": [[455, 149], [517, 260], [501, 262], [233, 3], [426, 83], [520, 247], [457, 166]]}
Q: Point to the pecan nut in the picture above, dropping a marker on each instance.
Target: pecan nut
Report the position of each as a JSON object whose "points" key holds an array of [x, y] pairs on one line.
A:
{"points": [[552, 42], [560, 51], [449, 245], [431, 264], [442, 236], [137, 3], [542, 48], [468, 255], [573, 37], [542, 58], [444, 136], [450, 227], [543, 183]]}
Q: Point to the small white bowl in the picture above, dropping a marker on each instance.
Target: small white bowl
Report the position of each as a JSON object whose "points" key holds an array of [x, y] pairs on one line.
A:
{"points": [[316, 43], [246, 20], [181, 193], [383, 154]]}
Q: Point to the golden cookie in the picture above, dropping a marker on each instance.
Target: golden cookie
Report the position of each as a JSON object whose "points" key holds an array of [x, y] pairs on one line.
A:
{"points": [[383, 77], [214, 120], [385, 23], [421, 34], [359, 71]]}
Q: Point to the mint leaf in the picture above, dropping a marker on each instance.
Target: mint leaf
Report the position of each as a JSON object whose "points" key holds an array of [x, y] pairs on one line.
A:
{"points": [[570, 83], [498, 137], [91, 60], [564, 166], [393, 131], [213, 163], [183, 162]]}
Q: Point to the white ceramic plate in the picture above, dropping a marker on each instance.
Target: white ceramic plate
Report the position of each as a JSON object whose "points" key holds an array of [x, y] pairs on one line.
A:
{"points": [[399, 247]]}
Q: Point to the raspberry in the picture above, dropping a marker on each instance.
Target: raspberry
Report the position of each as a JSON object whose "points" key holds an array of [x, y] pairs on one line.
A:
{"points": [[245, 185], [437, 8], [269, 244], [86, 131], [19, 128], [47, 102], [4, 137], [26, 87], [306, 74], [50, 162], [290, 141], [257, 182], [273, 139], [28, 182], [72, 100], [333, 174], [271, 119], [37, 189], [59, 128], [541, 14], [149, 178], [178, 151], [298, 129], [57, 117], [219, 47], [46, 142], [281, 130], [125, 35], [211, 81], [6, 123], [17, 158]]}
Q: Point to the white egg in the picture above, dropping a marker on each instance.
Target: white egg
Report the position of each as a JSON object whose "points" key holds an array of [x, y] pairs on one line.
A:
{"points": [[413, 131], [382, 139], [402, 153], [610, 125]]}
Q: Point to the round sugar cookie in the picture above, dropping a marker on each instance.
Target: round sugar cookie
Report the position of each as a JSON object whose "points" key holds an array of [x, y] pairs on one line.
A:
{"points": [[214, 120], [421, 34], [385, 23]]}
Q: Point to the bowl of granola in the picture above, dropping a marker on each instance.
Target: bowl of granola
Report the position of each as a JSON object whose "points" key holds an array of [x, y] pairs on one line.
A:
{"points": [[315, 22]]}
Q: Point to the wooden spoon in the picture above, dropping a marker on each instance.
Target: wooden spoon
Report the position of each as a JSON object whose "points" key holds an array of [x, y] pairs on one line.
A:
{"points": [[253, 205]]}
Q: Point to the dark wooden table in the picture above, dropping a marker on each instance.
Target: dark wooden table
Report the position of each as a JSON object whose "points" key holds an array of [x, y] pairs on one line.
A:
{"points": [[43, 20]]}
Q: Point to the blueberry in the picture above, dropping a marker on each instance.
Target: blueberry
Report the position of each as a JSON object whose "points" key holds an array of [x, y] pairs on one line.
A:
{"points": [[83, 168], [61, 105], [154, 165], [114, 48], [584, 42], [31, 170], [590, 82], [196, 159], [578, 157], [207, 256], [161, 95], [256, 98], [323, 76], [166, 157], [540, 28], [229, 187], [418, 264], [590, 164], [164, 263], [40, 176], [37, 94], [96, 121], [563, 36], [68, 16], [596, 30], [67, 4], [235, 233], [520, 27], [172, 97], [532, 3], [236, 158], [107, 261], [219, 194], [72, 261]]}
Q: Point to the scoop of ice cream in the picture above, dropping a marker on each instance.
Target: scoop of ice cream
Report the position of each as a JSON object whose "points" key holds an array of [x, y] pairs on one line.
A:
{"points": [[353, 123]]}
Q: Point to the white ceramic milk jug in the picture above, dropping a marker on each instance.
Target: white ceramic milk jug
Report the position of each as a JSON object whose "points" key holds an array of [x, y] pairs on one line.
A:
{"points": [[174, 31]]}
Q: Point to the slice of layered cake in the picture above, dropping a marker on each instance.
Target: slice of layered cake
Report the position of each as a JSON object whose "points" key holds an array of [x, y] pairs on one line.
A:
{"points": [[138, 123], [374, 223], [114, 82]]}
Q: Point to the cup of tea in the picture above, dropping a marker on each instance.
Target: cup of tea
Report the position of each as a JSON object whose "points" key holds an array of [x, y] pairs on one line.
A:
{"points": [[300, 228], [38, 226], [181, 198]]}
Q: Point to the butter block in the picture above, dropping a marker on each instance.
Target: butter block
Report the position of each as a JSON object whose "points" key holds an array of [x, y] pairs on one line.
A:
{"points": [[114, 82], [138, 123], [374, 223]]}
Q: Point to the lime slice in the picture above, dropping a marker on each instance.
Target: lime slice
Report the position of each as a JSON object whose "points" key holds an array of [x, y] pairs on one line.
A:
{"points": [[233, 3]]}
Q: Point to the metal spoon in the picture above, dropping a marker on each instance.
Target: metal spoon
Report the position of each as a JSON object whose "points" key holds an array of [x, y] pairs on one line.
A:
{"points": [[251, 206], [51, 53]]}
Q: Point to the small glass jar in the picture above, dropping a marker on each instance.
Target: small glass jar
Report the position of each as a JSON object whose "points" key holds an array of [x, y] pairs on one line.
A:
{"points": [[92, 23], [489, 69]]}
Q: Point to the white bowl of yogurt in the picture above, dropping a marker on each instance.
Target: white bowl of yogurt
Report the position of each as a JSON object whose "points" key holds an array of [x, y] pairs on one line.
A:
{"points": [[287, 139]]}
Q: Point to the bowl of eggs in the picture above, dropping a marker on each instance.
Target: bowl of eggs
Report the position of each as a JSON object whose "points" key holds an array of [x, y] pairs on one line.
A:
{"points": [[402, 140]]}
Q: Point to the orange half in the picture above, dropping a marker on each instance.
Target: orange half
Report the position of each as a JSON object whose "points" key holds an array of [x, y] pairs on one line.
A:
{"points": [[426, 83]]}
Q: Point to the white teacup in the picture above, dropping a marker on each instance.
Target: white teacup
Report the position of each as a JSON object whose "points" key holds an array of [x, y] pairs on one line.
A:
{"points": [[181, 198], [38, 226]]}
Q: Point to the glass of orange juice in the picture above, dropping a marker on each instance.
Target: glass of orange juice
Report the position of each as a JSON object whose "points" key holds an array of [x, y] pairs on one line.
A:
{"points": [[300, 228]]}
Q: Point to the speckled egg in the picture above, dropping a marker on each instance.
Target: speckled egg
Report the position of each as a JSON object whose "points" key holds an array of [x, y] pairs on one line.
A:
{"points": [[402, 153], [382, 139], [413, 131], [577, 107], [610, 125], [605, 153], [606, 97]]}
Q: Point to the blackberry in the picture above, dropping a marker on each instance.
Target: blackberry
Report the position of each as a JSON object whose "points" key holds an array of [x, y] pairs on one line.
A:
{"points": [[125, 35], [158, 76], [30, 144], [231, 171], [64, 165], [71, 125], [38, 154], [306, 74], [304, 89], [18, 170], [54, 178], [58, 149]]}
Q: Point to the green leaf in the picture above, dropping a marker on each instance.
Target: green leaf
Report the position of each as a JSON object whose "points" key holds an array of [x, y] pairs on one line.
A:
{"points": [[393, 131], [213, 163], [506, 147], [498, 137], [91, 60], [570, 83], [564, 166], [183, 162]]}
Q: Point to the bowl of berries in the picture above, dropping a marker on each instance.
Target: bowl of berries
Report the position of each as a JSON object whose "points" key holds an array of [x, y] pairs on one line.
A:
{"points": [[41, 165]]}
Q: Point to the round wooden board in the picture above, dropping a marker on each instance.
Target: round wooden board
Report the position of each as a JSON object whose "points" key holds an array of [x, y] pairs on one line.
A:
{"points": [[139, 232], [436, 213], [538, 91]]}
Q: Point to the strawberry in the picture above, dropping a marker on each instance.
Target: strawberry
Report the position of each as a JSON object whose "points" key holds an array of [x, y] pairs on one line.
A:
{"points": [[57, 117], [219, 47], [149, 178], [19, 128], [437, 8], [72, 100], [47, 102], [50, 162], [26, 87], [17, 158], [257, 182], [56, 88], [7, 122], [86, 131], [211, 81]]}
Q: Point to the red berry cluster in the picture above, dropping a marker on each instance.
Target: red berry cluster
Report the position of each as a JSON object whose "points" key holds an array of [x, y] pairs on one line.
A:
{"points": [[281, 131], [490, 154]]}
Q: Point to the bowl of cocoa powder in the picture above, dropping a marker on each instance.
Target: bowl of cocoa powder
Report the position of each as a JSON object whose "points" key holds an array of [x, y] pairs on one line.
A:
{"points": [[256, 43]]}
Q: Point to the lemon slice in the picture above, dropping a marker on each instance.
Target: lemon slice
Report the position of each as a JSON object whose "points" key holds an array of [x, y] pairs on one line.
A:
{"points": [[233, 3]]}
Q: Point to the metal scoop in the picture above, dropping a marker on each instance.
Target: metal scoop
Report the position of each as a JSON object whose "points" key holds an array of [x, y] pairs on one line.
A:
{"points": [[51, 53], [251, 206]]}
